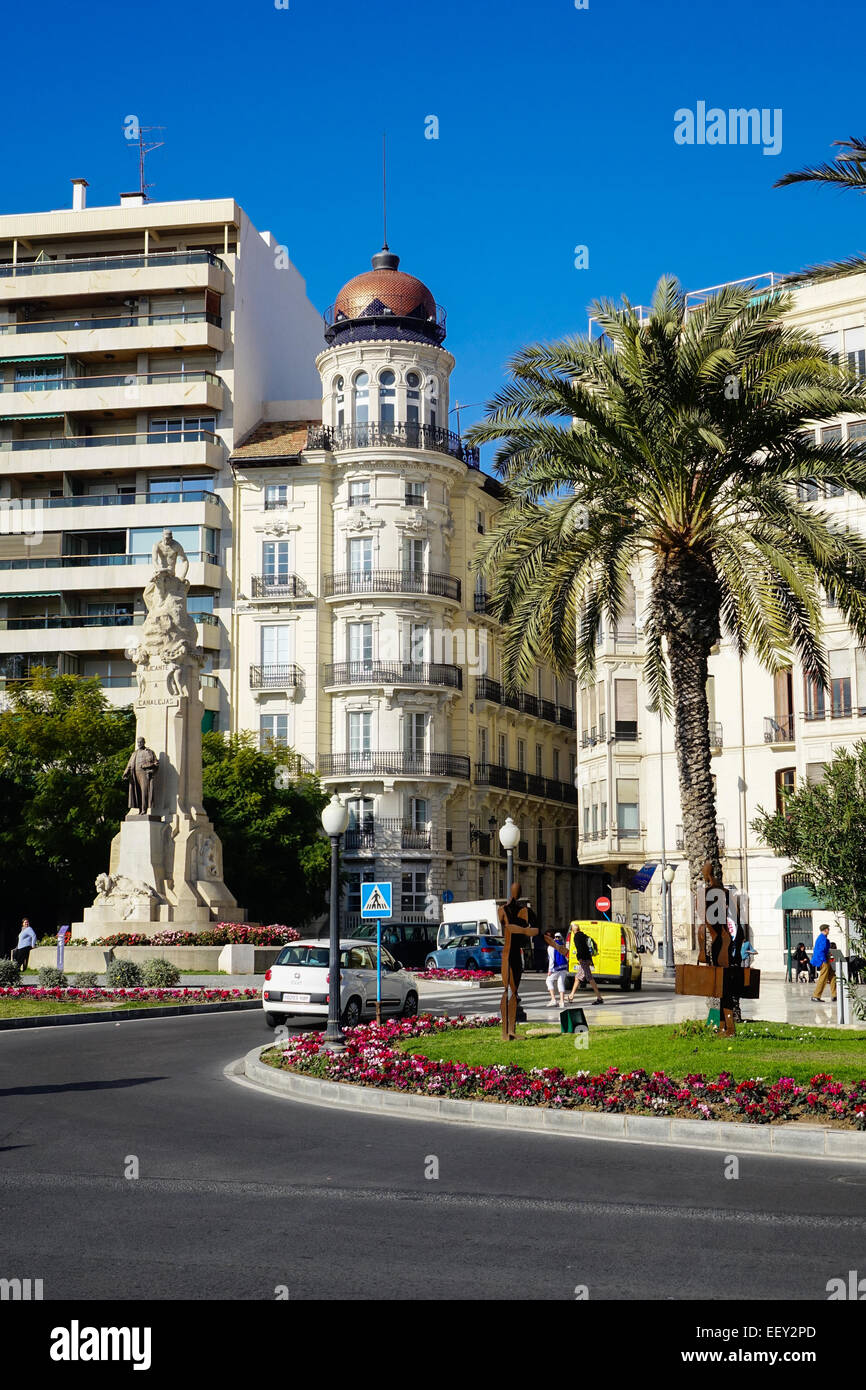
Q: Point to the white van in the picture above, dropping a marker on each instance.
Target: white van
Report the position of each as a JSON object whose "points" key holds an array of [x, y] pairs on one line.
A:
{"points": [[478, 918]]}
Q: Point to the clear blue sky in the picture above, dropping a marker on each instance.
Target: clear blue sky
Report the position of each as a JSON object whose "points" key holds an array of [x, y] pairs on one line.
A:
{"points": [[555, 130]]}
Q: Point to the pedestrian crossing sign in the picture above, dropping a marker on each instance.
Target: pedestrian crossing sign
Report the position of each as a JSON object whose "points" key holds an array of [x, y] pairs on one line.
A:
{"points": [[375, 900]]}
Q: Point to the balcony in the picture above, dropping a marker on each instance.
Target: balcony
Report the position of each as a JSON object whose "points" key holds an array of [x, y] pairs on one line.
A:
{"points": [[482, 603], [371, 324], [90, 264], [779, 730], [274, 586], [431, 438], [124, 499], [594, 735], [394, 764], [288, 677], [85, 325], [134, 390], [519, 780], [123, 331], [107, 441], [77, 561], [391, 582], [488, 690], [393, 673], [720, 836], [525, 703], [359, 837], [625, 731]]}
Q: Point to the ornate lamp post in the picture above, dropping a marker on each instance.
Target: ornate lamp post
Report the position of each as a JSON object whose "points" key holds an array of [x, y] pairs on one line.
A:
{"points": [[509, 838], [669, 873], [335, 819]]}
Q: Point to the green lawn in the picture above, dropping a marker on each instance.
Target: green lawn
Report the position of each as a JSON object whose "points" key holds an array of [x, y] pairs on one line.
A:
{"points": [[769, 1050], [30, 1008]]}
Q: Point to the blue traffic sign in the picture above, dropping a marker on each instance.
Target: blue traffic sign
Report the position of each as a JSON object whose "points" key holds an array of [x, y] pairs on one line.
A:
{"points": [[375, 900], [447, 895]]}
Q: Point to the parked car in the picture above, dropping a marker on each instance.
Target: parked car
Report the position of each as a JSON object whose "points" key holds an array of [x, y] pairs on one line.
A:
{"points": [[297, 983], [617, 961], [467, 953], [410, 942]]}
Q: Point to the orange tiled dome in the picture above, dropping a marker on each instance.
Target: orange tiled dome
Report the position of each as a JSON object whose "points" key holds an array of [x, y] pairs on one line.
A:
{"points": [[385, 289]]}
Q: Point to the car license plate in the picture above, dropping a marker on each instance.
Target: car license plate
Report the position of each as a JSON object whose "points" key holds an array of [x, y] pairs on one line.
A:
{"points": [[296, 998]]}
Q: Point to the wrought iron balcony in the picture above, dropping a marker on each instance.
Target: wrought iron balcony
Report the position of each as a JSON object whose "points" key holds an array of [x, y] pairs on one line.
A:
{"points": [[779, 730], [403, 435], [486, 689], [482, 603], [393, 764], [391, 582], [281, 585], [276, 677], [593, 735], [519, 780], [393, 673]]}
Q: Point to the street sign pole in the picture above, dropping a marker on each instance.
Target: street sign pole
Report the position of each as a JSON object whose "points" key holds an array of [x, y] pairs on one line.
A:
{"points": [[379, 970]]}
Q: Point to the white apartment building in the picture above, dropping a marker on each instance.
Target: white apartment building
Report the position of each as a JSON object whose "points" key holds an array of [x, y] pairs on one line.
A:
{"points": [[769, 733], [137, 342], [362, 637]]}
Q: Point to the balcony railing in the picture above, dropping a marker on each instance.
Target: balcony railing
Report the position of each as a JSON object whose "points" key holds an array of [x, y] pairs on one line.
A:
{"points": [[394, 764], [518, 779], [360, 837], [42, 621], [124, 499], [77, 561], [625, 731], [116, 321], [109, 441], [594, 735], [393, 673], [279, 586], [288, 677], [720, 836], [482, 603], [486, 689], [779, 730], [135, 262], [391, 582], [405, 435], [85, 383]]}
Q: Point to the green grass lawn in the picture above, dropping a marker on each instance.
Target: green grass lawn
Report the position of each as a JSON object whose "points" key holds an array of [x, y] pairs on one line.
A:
{"points": [[770, 1050], [30, 1008]]}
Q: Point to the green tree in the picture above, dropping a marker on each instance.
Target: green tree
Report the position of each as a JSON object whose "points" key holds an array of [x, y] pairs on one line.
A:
{"points": [[673, 446], [846, 170], [276, 860], [822, 830]]}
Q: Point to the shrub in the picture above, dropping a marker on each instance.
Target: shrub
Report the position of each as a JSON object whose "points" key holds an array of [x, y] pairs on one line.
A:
{"points": [[159, 973], [124, 974], [86, 979], [52, 978], [10, 973]]}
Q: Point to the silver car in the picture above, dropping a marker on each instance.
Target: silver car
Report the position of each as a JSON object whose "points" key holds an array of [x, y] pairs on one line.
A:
{"points": [[296, 986]]}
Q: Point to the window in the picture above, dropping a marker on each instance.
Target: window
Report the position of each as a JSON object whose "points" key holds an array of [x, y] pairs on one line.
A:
{"points": [[360, 809], [785, 783], [360, 556], [830, 342], [808, 492], [414, 495], [359, 643], [832, 435], [625, 701], [556, 764], [189, 429], [627, 808], [38, 376], [539, 684], [387, 397], [503, 750], [783, 704], [539, 760], [479, 522], [855, 350], [353, 887], [418, 635], [521, 755], [572, 759], [625, 629], [340, 415], [415, 735], [277, 645], [413, 556], [413, 404], [860, 672], [840, 684], [361, 398], [277, 561], [482, 745], [813, 698], [602, 807], [432, 390], [419, 812], [414, 885], [359, 493], [360, 730], [276, 496], [857, 431], [274, 729], [814, 773]]}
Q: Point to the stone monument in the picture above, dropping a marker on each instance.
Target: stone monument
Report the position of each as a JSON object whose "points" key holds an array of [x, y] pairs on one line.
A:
{"points": [[166, 861]]}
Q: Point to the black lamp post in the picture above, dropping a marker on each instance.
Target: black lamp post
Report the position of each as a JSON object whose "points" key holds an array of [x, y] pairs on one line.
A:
{"points": [[335, 819]]}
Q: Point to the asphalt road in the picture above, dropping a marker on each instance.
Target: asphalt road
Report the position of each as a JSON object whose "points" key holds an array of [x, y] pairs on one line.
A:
{"points": [[240, 1192]]}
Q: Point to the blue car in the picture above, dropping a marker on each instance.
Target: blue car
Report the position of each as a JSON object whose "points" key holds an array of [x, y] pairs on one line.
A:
{"points": [[467, 953]]}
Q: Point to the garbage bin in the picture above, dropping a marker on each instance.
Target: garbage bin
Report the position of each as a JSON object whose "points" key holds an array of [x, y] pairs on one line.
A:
{"points": [[572, 1021]]}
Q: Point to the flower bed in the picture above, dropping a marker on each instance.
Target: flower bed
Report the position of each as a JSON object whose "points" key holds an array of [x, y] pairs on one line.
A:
{"points": [[96, 995], [223, 934], [473, 975], [371, 1059]]}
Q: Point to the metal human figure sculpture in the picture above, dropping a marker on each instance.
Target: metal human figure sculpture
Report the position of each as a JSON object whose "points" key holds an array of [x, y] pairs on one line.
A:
{"points": [[719, 977], [140, 772], [514, 921]]}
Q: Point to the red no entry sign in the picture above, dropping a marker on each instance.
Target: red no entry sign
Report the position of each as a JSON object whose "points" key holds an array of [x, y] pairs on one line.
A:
{"points": [[602, 904]]}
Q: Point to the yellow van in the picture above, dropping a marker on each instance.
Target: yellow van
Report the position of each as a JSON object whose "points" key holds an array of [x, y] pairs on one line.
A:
{"points": [[617, 961]]}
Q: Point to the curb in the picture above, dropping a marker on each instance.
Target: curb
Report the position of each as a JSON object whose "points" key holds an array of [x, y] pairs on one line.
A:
{"points": [[789, 1141], [440, 986], [123, 1015]]}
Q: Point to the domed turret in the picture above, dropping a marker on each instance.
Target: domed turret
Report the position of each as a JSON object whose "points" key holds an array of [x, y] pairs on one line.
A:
{"points": [[385, 303]]}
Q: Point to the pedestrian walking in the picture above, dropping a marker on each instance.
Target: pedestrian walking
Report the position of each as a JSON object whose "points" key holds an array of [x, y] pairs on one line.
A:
{"points": [[557, 969], [747, 953], [822, 963], [26, 942], [584, 960], [801, 966]]}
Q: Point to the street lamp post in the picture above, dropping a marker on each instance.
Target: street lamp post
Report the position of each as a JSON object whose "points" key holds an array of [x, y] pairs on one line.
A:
{"points": [[668, 875], [335, 819], [509, 838]]}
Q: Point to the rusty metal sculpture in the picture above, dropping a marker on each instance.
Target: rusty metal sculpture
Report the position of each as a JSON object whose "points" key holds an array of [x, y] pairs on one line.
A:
{"points": [[717, 978], [514, 921]]}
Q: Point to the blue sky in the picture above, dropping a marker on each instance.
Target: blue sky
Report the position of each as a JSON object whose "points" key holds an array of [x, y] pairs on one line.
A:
{"points": [[555, 130]]}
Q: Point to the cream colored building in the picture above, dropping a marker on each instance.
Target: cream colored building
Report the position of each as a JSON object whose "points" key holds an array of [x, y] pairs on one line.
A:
{"points": [[769, 734], [137, 342], [362, 637]]}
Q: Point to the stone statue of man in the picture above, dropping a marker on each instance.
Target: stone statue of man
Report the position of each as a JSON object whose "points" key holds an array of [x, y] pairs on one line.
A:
{"points": [[169, 556], [140, 772]]}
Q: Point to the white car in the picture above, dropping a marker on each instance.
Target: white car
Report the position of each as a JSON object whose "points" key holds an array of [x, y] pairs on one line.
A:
{"points": [[296, 986]]}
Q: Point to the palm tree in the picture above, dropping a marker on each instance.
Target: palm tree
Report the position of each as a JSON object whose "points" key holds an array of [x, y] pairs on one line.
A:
{"points": [[673, 445], [847, 170]]}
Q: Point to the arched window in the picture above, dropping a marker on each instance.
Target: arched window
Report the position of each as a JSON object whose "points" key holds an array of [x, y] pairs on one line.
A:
{"points": [[387, 398], [413, 406], [361, 405], [431, 391], [340, 402]]}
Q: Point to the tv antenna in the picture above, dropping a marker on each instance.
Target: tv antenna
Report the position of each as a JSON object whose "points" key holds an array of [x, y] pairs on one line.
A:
{"points": [[146, 147]]}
